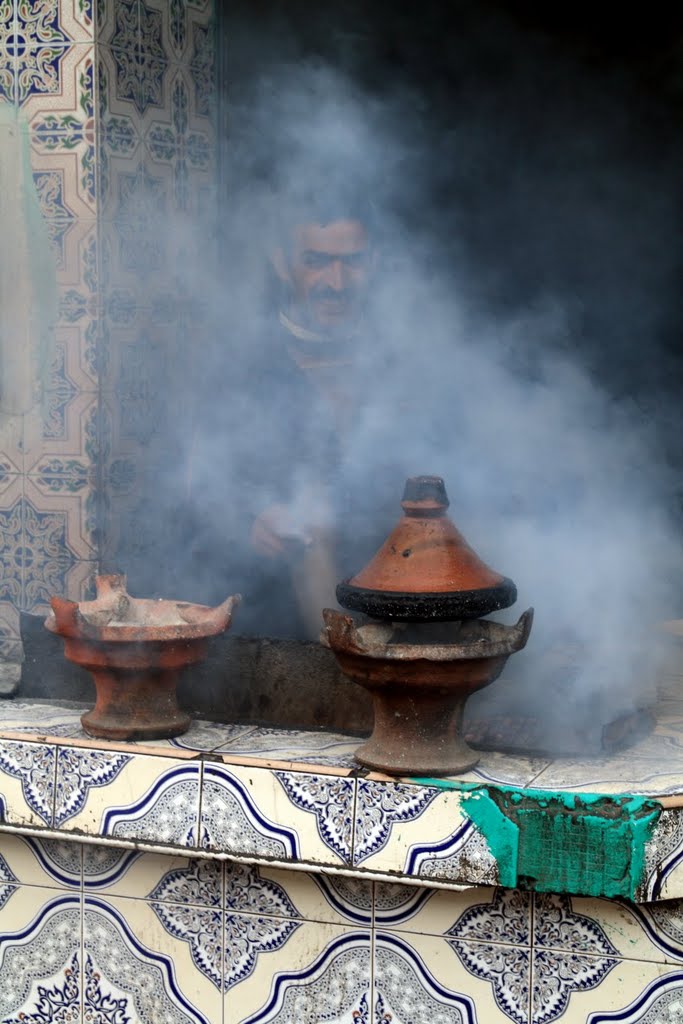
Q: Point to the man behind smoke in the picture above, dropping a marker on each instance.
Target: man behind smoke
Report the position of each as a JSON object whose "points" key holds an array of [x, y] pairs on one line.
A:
{"points": [[307, 387]]}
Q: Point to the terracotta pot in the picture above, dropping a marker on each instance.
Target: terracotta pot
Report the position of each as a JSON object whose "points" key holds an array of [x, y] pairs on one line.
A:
{"points": [[135, 650], [426, 570]]}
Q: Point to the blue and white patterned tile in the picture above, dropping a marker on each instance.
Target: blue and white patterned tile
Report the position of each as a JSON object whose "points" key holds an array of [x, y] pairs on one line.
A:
{"points": [[322, 748], [177, 142], [53, 475], [11, 545], [202, 71], [404, 828], [568, 986], [36, 560], [240, 814], [653, 767], [27, 783], [610, 928], [310, 972], [8, 49], [425, 978], [107, 869], [329, 898], [58, 529], [127, 796], [663, 874], [50, 863], [40, 942], [659, 1001], [138, 60], [117, 19], [178, 19], [11, 451], [35, 718], [500, 916], [151, 969]]}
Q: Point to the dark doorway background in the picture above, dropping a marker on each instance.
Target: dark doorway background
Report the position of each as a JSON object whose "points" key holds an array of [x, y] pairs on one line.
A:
{"points": [[550, 155]]}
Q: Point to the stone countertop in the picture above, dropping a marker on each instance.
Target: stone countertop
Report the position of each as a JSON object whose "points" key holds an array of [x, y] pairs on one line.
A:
{"points": [[607, 826]]}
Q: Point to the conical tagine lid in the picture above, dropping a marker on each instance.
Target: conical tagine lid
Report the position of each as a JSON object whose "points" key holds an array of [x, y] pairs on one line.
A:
{"points": [[426, 570]]}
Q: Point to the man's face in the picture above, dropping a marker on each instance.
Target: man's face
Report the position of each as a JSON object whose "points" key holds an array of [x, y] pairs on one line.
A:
{"points": [[329, 268]]}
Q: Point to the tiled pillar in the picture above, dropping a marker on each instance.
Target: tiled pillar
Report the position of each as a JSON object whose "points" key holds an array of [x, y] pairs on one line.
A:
{"points": [[114, 99]]}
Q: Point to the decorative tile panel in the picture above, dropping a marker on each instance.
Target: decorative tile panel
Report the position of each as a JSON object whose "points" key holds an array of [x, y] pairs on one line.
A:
{"points": [[61, 108], [39, 956], [234, 816], [27, 783], [397, 825], [414, 980], [330, 800], [135, 964]]}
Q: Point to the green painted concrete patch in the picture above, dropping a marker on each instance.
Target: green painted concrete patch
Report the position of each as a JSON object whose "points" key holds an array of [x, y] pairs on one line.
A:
{"points": [[580, 843]]}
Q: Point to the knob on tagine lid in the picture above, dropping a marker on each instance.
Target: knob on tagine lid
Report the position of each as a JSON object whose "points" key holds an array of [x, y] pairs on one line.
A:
{"points": [[426, 570]]}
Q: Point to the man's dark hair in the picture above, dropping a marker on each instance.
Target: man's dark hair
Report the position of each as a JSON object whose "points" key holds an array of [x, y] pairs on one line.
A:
{"points": [[325, 199]]}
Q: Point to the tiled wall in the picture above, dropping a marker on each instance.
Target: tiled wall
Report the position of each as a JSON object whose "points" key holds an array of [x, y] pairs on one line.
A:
{"points": [[119, 935], [114, 97]]}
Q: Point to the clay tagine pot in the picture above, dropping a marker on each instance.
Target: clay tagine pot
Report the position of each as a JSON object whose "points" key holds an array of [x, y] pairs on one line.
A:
{"points": [[135, 650], [420, 675], [426, 571]]}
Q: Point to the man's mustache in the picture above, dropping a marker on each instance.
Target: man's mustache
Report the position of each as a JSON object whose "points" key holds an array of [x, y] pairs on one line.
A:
{"points": [[327, 294]]}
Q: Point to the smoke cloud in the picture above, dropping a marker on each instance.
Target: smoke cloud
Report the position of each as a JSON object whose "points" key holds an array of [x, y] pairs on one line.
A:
{"points": [[518, 340]]}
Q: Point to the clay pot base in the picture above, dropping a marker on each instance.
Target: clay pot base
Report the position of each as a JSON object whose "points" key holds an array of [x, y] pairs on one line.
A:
{"points": [[414, 752], [135, 706], [419, 691]]}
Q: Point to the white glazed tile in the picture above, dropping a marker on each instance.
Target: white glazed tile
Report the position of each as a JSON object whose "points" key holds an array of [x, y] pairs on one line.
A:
{"points": [[127, 796], [152, 876], [502, 916], [663, 876], [277, 814], [570, 987], [601, 927], [505, 769], [159, 965], [287, 745], [653, 771], [425, 978], [400, 827], [50, 863], [280, 970], [332, 899], [205, 736], [40, 719]]}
